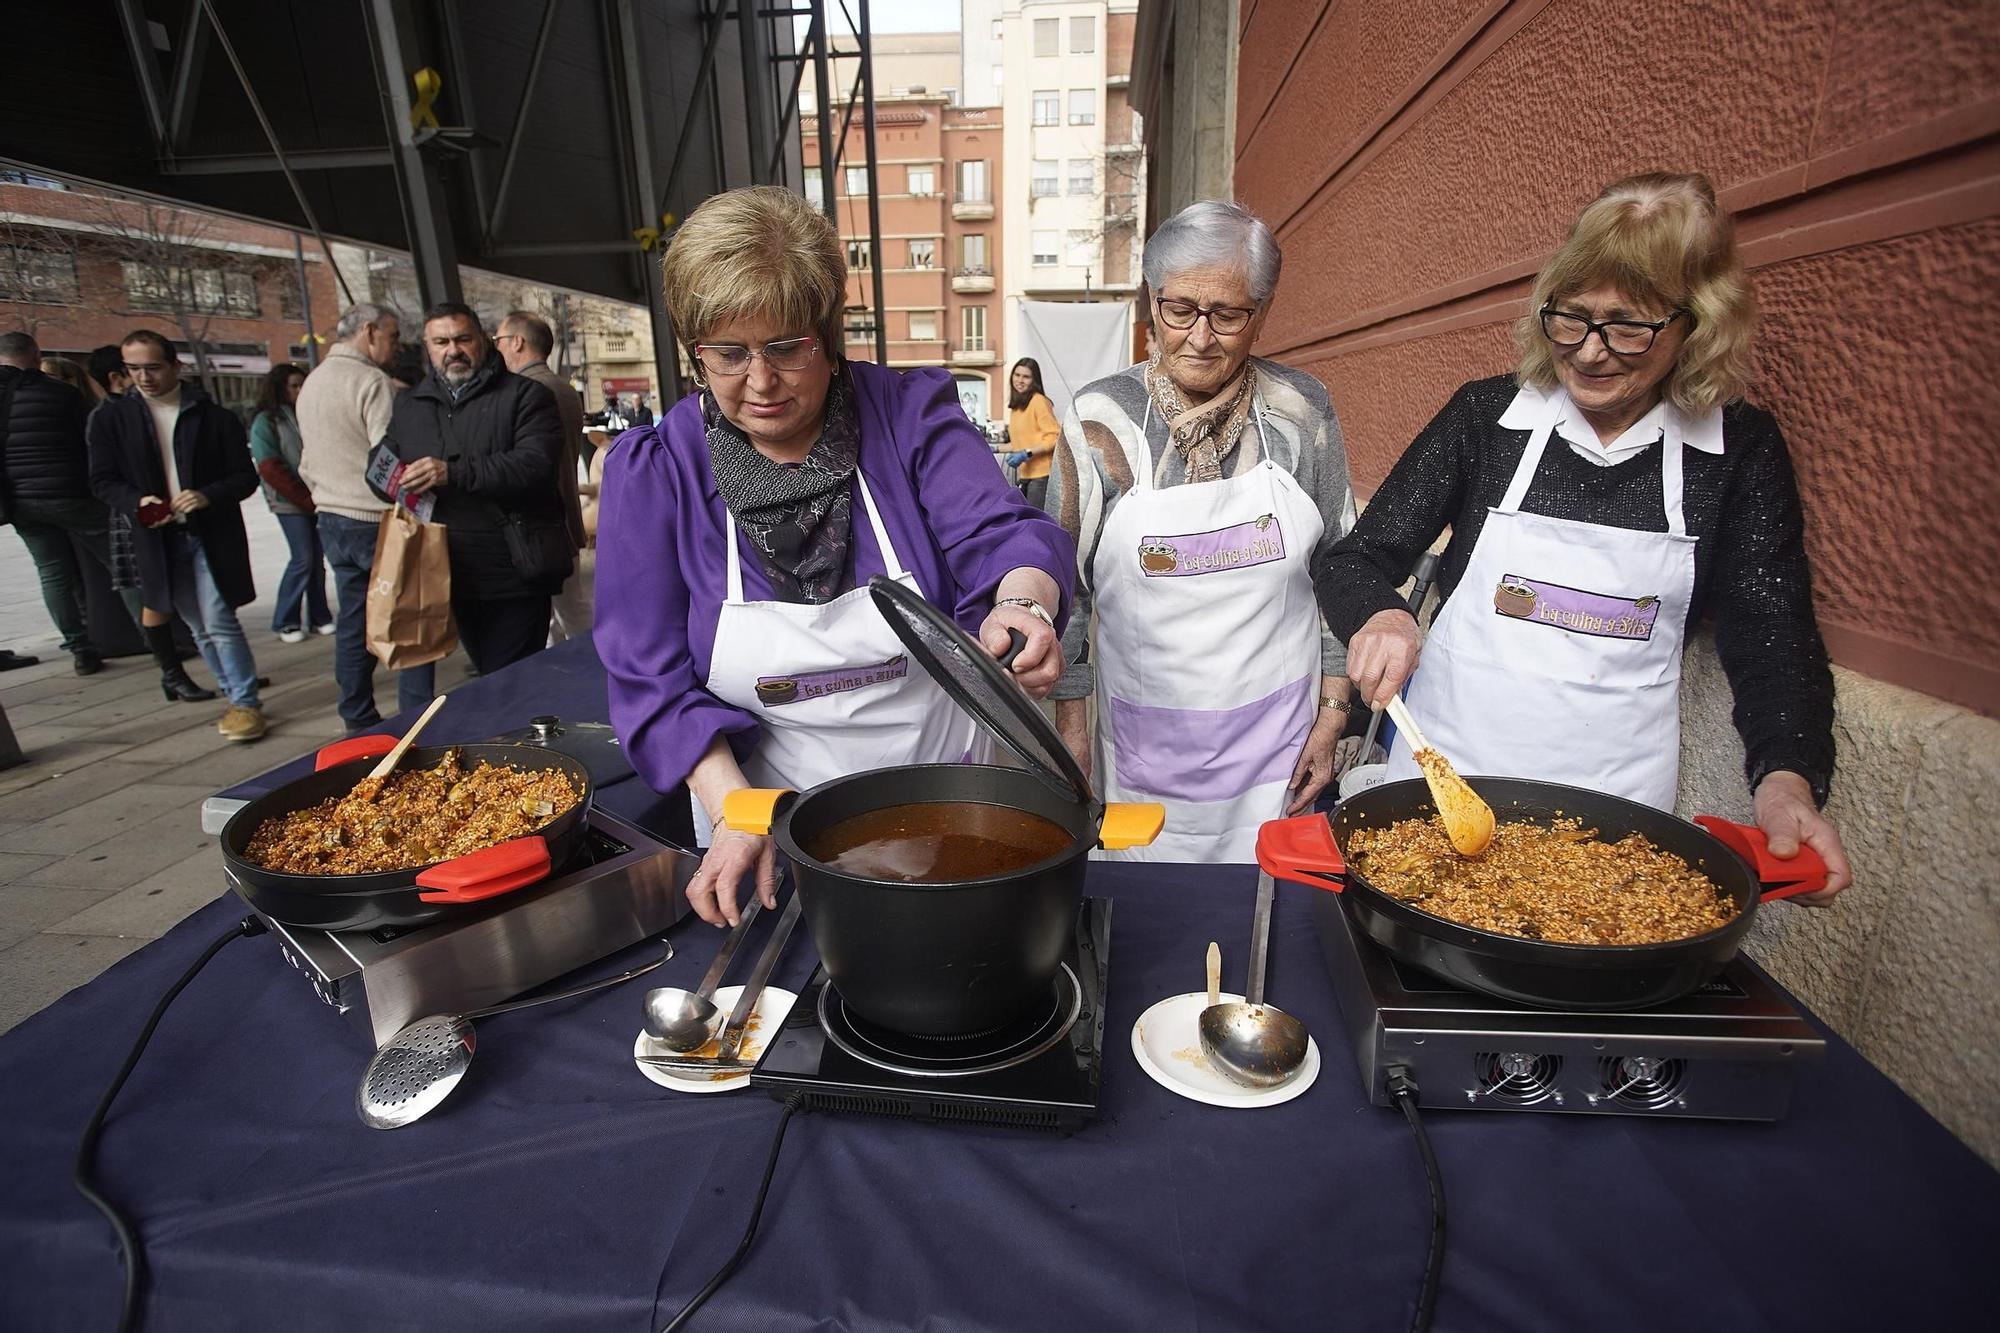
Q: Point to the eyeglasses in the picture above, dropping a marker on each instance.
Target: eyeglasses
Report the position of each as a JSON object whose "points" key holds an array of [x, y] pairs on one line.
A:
{"points": [[1626, 337], [1222, 319], [734, 358]]}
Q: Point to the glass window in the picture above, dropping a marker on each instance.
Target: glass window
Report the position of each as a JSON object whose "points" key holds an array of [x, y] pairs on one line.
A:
{"points": [[1080, 248], [996, 30], [1044, 247], [857, 180], [999, 75], [858, 325], [973, 326], [923, 254], [1082, 34], [972, 182], [860, 255], [923, 325], [1083, 106], [1082, 175], [1048, 107], [1042, 179], [972, 253], [1047, 36], [812, 187], [923, 180], [41, 276]]}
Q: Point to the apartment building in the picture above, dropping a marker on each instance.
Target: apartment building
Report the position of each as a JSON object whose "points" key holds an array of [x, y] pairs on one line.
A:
{"points": [[1071, 222], [906, 64], [939, 170]]}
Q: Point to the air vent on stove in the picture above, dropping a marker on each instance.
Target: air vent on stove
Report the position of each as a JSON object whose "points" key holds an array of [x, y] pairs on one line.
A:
{"points": [[1641, 1081], [1517, 1078], [826, 1101], [995, 1115]]}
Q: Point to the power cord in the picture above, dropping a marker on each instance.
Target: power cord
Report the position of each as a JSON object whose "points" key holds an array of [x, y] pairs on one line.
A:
{"points": [[722, 1274], [128, 1240], [1404, 1089]]}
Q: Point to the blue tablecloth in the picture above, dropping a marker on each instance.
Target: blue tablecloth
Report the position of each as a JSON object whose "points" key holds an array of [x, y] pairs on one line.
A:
{"points": [[560, 1190]]}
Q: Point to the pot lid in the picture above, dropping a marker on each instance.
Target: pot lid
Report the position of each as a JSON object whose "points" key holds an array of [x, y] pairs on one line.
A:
{"points": [[971, 676]]}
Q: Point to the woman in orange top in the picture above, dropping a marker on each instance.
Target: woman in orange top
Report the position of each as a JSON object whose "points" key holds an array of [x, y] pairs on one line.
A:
{"points": [[1032, 429]]}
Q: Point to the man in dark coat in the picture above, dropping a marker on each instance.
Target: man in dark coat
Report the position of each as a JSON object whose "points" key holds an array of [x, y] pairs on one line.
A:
{"points": [[45, 473], [488, 442], [178, 462]]}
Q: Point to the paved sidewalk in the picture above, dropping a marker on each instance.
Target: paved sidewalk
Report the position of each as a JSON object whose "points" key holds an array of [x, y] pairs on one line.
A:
{"points": [[101, 847]]}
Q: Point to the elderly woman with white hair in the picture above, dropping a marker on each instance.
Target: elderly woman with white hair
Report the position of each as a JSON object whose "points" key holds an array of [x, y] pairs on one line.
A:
{"points": [[1604, 499], [1199, 486]]}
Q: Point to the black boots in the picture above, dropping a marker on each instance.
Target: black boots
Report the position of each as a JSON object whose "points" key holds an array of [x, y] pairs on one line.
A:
{"points": [[175, 682]]}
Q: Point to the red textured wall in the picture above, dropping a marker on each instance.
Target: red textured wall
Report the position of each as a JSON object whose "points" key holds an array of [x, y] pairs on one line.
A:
{"points": [[1420, 162]]}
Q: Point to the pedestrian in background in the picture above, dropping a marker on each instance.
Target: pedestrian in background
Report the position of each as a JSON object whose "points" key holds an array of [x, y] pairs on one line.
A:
{"points": [[45, 486], [1031, 428], [342, 410], [178, 462], [70, 373], [107, 368], [487, 442], [525, 342], [275, 449]]}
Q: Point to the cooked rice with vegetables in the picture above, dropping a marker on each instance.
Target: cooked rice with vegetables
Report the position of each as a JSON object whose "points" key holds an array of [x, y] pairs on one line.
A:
{"points": [[1559, 883], [413, 818]]}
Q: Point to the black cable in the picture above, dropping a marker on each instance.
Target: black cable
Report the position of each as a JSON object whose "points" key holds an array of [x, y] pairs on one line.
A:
{"points": [[1404, 1089], [723, 1273], [128, 1239]]}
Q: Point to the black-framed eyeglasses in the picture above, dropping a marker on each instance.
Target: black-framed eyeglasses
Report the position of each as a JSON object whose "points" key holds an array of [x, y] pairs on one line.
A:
{"points": [[786, 354], [1177, 314], [1626, 337]]}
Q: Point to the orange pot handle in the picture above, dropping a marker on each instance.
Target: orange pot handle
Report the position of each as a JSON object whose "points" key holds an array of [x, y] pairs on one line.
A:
{"points": [[1302, 849], [354, 747], [488, 872], [1782, 877]]}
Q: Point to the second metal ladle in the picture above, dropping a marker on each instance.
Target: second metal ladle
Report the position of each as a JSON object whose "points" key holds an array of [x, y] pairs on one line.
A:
{"points": [[1256, 1044]]}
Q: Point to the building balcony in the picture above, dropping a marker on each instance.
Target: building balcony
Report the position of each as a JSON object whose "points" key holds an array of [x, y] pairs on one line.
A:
{"points": [[972, 280], [972, 356], [971, 210]]}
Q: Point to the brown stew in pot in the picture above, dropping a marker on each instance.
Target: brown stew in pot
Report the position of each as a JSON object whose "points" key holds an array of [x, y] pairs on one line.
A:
{"points": [[938, 841]]}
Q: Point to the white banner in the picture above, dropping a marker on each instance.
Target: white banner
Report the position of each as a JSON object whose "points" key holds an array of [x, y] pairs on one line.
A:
{"points": [[1075, 343]]}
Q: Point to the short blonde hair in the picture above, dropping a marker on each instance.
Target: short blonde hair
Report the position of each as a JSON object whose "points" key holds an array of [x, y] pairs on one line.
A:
{"points": [[758, 251], [1662, 240]]}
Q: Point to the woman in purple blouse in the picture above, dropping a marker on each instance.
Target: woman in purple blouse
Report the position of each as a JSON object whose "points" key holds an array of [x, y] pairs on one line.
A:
{"points": [[736, 539]]}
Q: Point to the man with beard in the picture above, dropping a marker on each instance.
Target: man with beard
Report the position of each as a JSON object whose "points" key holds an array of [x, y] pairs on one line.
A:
{"points": [[487, 442]]}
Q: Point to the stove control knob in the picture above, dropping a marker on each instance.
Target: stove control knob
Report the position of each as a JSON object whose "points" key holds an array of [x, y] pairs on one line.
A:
{"points": [[546, 726]]}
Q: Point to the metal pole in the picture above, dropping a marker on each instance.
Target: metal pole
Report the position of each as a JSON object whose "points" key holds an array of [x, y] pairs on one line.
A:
{"points": [[875, 255], [666, 352], [498, 214], [822, 94], [426, 219], [756, 79], [305, 301]]}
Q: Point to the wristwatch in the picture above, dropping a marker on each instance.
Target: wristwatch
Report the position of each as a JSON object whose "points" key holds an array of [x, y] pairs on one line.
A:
{"points": [[1337, 705], [1031, 606]]}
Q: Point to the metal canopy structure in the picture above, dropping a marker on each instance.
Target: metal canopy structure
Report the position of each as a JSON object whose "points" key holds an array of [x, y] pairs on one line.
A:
{"points": [[549, 140]]}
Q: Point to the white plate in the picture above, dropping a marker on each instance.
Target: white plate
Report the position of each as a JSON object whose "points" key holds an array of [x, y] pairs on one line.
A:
{"points": [[772, 1008], [1167, 1042]]}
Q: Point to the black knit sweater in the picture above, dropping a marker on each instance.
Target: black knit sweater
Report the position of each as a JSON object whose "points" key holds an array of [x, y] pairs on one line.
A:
{"points": [[1750, 572]]}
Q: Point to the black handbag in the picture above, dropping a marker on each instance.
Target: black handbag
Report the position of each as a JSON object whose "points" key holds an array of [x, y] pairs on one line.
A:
{"points": [[539, 548]]}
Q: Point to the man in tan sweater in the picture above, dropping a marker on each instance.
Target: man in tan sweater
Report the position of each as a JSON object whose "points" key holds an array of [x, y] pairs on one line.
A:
{"points": [[342, 411], [526, 341]]}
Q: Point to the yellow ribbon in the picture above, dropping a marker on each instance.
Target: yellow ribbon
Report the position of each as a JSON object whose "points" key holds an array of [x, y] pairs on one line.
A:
{"points": [[649, 237], [429, 83]]}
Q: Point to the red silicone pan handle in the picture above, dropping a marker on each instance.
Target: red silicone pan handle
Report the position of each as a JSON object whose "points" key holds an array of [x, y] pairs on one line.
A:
{"points": [[1302, 850], [354, 747], [1804, 873], [488, 872]]}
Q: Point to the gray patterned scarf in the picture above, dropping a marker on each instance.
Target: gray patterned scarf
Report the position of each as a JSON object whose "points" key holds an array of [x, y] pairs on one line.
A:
{"points": [[796, 514], [1205, 435]]}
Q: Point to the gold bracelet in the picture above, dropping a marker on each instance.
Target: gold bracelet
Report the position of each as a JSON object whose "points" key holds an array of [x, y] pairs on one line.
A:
{"points": [[1337, 705]]}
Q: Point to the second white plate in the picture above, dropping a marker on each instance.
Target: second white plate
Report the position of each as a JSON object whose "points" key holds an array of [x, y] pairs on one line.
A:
{"points": [[773, 1006], [1167, 1043]]}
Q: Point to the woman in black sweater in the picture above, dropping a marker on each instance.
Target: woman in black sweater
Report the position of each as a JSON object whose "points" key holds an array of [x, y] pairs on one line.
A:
{"points": [[1601, 501]]}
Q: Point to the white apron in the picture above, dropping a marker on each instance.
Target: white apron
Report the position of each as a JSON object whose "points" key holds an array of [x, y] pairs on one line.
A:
{"points": [[1208, 653], [1558, 657], [830, 684]]}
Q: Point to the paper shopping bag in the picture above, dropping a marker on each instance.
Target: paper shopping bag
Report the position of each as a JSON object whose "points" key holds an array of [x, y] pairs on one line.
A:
{"points": [[409, 592]]}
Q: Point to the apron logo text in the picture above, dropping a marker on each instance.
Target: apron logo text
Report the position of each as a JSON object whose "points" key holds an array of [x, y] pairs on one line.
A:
{"points": [[1575, 610], [1258, 542], [777, 691]]}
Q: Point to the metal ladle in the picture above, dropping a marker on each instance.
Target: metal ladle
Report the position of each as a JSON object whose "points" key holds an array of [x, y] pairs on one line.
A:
{"points": [[1253, 1043], [417, 1069], [683, 1020]]}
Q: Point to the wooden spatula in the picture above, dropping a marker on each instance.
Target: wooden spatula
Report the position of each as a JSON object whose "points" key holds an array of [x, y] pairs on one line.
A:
{"points": [[371, 786], [1468, 820]]}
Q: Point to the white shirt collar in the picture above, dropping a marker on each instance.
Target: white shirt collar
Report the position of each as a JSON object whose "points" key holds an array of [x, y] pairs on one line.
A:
{"points": [[1531, 407]]}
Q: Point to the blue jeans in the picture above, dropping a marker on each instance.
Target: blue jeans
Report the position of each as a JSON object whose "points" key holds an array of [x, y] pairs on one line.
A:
{"points": [[304, 579], [211, 619], [349, 544]]}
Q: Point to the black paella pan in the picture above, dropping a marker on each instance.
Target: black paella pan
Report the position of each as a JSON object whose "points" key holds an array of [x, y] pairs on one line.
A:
{"points": [[415, 894], [1312, 849]]}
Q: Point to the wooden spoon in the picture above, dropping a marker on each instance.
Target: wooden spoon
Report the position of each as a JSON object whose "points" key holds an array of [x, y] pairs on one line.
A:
{"points": [[371, 786], [1468, 820]]}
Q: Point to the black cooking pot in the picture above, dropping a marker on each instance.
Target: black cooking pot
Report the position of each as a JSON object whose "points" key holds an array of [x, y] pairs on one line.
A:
{"points": [[416, 894], [946, 958], [1312, 849]]}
